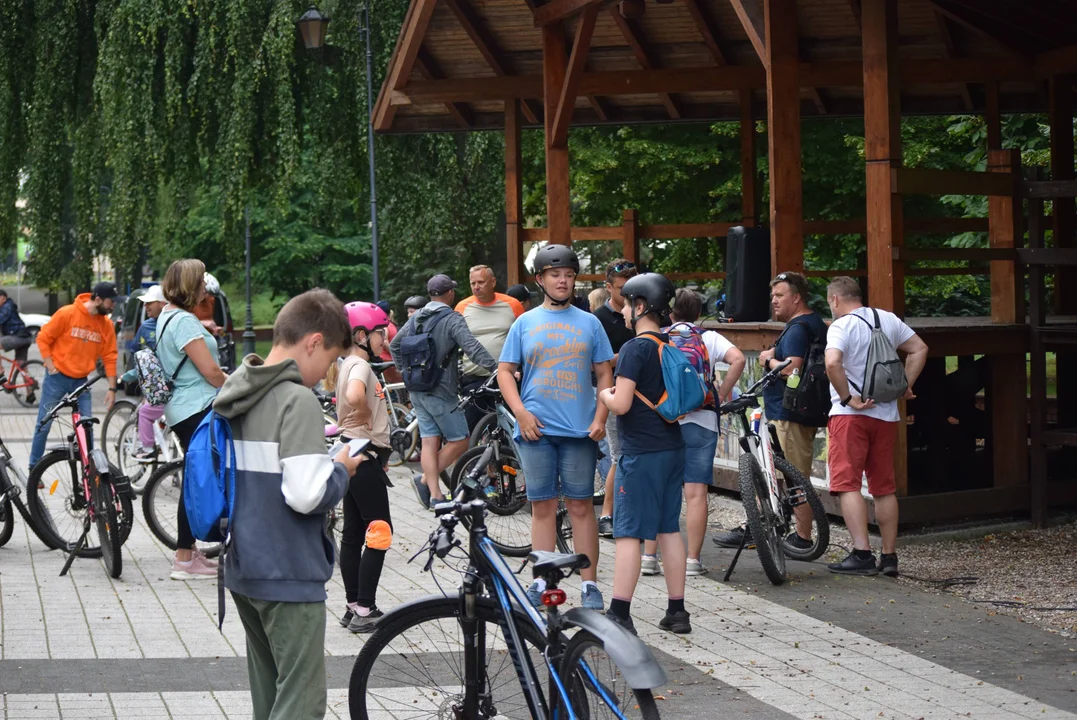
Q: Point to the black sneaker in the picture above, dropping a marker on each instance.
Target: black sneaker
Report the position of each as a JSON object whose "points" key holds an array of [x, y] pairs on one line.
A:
{"points": [[888, 564], [676, 622], [347, 616], [367, 623], [796, 542], [422, 492], [853, 565], [627, 624], [605, 526], [732, 538]]}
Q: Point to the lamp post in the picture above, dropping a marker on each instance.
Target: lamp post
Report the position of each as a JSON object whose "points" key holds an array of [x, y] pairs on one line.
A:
{"points": [[312, 27], [248, 329]]}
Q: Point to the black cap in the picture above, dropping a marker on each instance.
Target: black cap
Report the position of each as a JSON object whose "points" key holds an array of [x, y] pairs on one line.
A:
{"points": [[104, 290], [520, 292], [440, 284]]}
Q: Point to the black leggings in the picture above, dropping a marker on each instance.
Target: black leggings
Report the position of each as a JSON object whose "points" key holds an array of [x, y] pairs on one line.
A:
{"points": [[367, 500], [184, 429]]}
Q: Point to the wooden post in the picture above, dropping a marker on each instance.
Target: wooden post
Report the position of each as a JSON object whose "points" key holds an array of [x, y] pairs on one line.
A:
{"points": [[783, 136], [513, 194], [1037, 297], [554, 69], [993, 118], [1064, 226], [630, 239], [749, 206], [882, 151], [1005, 230]]}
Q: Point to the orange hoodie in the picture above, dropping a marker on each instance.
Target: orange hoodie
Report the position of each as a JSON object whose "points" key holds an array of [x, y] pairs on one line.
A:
{"points": [[75, 339]]}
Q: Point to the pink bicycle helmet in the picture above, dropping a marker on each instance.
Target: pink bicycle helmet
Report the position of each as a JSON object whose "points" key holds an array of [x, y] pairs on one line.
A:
{"points": [[366, 316]]}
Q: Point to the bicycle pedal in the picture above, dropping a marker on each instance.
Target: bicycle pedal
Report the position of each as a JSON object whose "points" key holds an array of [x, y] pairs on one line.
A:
{"points": [[797, 496]]}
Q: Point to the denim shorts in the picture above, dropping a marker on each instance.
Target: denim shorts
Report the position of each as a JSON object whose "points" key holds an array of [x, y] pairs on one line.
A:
{"points": [[439, 417], [647, 494], [557, 465], [700, 445]]}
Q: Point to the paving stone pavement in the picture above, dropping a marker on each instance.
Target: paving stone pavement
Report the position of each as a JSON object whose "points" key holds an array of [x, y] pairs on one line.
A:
{"points": [[144, 646]]}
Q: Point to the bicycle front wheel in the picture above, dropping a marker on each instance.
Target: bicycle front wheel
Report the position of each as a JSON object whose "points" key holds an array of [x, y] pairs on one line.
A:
{"points": [[800, 489], [57, 505], [595, 685], [413, 664], [508, 520], [118, 415], [402, 442], [7, 521], [481, 434], [108, 524], [160, 505], [127, 445], [766, 526], [29, 381]]}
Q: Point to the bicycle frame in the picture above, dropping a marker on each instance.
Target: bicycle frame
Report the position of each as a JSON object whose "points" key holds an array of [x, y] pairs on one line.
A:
{"points": [[12, 374], [761, 446]]}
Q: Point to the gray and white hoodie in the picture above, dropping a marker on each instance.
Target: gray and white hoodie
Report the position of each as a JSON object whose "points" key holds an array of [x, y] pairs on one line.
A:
{"points": [[285, 484]]}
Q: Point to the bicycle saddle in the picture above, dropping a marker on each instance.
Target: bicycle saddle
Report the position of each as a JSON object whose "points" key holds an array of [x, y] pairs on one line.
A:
{"points": [[546, 563]]}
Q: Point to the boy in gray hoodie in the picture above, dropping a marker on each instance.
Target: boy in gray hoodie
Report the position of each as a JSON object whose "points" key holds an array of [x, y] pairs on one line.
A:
{"points": [[280, 559]]}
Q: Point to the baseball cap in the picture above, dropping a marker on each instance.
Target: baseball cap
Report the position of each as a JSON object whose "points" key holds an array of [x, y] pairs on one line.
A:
{"points": [[440, 284], [520, 292], [104, 290], [153, 294]]}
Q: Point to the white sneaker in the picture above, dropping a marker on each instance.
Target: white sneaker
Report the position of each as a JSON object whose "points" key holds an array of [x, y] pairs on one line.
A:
{"points": [[191, 570], [650, 566], [695, 567]]}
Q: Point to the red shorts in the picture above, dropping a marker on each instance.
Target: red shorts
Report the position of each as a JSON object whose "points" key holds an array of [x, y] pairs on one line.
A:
{"points": [[857, 445]]}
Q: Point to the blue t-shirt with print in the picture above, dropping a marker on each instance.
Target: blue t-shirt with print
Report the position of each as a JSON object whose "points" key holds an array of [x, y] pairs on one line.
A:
{"points": [[642, 429], [793, 343], [555, 350]]}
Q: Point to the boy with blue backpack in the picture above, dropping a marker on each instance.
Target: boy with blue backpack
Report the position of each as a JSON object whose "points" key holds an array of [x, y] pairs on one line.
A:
{"points": [[655, 386], [279, 559]]}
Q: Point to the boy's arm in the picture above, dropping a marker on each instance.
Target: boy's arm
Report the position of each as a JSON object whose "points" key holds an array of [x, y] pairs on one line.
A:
{"points": [[311, 482], [618, 399]]}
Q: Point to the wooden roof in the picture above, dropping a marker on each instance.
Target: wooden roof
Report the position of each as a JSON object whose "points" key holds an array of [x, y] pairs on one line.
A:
{"points": [[457, 61]]}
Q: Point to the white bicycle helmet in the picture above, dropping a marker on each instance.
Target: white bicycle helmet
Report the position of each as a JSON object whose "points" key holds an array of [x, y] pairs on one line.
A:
{"points": [[212, 286]]}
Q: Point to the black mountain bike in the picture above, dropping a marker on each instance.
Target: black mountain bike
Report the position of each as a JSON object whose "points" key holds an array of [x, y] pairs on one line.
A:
{"points": [[12, 483]]}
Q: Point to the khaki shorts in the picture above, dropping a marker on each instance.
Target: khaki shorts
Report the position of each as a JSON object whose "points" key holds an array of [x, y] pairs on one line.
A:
{"points": [[798, 443]]}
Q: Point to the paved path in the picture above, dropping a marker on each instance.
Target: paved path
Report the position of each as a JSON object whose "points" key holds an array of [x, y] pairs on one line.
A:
{"points": [[85, 646]]}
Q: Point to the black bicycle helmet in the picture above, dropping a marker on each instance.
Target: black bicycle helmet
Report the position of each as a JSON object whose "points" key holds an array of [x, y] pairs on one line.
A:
{"points": [[416, 301], [654, 289], [556, 256]]}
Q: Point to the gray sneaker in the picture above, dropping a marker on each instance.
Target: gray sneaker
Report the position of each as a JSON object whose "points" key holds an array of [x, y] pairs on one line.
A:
{"points": [[695, 567], [365, 624], [605, 526], [591, 598], [422, 492], [649, 566]]}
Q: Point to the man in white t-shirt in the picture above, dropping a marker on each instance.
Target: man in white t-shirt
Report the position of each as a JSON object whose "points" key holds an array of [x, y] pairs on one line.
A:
{"points": [[862, 433], [699, 428]]}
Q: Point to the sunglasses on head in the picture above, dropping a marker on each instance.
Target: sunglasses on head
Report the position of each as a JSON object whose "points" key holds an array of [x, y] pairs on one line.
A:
{"points": [[621, 267], [781, 277]]}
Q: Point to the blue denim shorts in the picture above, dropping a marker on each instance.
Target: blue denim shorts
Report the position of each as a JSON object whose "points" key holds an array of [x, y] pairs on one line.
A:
{"points": [[647, 494], [559, 466], [439, 417], [700, 445]]}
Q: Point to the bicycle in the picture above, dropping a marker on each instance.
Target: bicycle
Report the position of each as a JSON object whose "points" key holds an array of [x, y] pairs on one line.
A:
{"points": [[100, 496], [121, 411], [769, 510], [161, 496], [12, 482], [166, 449], [467, 641], [22, 380]]}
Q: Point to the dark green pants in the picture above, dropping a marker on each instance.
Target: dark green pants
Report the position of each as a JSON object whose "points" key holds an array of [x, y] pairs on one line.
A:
{"points": [[285, 657]]}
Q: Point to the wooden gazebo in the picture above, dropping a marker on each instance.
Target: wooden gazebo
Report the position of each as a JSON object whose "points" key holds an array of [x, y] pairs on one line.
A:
{"points": [[507, 64]]}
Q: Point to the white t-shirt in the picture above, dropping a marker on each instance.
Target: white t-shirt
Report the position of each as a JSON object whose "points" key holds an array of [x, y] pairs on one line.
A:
{"points": [[852, 337], [717, 346]]}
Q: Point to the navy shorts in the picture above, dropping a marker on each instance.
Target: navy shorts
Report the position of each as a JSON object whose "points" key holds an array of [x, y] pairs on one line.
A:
{"points": [[647, 494]]}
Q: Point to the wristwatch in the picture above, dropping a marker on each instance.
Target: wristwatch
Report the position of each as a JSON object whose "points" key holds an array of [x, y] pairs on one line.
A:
{"points": [[845, 402]]}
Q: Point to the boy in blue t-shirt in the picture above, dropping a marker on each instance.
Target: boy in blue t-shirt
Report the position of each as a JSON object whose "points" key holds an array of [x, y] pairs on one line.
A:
{"points": [[650, 471], [558, 422]]}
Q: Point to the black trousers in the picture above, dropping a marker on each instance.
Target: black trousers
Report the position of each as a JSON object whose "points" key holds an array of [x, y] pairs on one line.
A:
{"points": [[366, 501], [474, 412], [184, 429]]}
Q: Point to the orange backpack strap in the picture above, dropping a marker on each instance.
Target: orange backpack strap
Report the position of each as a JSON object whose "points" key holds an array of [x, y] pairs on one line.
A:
{"points": [[657, 341]]}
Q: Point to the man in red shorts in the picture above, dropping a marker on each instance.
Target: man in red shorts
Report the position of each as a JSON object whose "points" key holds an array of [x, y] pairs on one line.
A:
{"points": [[862, 433]]}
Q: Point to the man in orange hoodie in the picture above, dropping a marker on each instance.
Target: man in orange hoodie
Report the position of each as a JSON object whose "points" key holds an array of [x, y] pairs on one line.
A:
{"points": [[71, 343]]}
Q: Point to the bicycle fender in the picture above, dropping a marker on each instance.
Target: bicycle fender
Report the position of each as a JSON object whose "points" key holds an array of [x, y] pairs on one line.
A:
{"points": [[100, 461], [633, 657]]}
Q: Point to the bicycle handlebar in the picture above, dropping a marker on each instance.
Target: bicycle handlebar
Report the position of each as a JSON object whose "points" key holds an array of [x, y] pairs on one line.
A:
{"points": [[750, 397]]}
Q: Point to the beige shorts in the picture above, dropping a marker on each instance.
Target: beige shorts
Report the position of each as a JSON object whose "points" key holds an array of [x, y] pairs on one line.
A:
{"points": [[798, 443]]}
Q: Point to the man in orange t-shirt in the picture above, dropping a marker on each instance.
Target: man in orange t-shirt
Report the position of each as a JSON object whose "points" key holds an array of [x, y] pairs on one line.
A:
{"points": [[71, 343]]}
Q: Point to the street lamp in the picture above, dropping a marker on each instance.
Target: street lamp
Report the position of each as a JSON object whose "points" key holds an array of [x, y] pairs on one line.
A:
{"points": [[312, 26], [248, 330]]}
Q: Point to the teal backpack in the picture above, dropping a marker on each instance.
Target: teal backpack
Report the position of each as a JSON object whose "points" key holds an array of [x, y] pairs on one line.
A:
{"points": [[685, 390]]}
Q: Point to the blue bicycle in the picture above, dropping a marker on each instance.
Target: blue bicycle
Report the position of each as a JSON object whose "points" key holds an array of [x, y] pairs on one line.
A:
{"points": [[486, 653]]}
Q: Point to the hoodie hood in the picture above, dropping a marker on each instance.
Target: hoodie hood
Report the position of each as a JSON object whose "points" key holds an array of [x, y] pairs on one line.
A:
{"points": [[80, 304], [250, 383]]}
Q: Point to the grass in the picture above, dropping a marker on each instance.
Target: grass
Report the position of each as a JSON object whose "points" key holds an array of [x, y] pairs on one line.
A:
{"points": [[263, 307]]}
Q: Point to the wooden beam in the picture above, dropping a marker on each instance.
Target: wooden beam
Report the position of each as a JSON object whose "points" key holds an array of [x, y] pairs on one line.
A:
{"points": [[1006, 232], [486, 45], [645, 56], [1062, 61], [1000, 33], [514, 194], [993, 118], [403, 60], [554, 69], [923, 181], [752, 19], [783, 136], [854, 9], [585, 30], [1048, 189], [430, 70], [701, 17], [556, 10], [952, 52], [882, 152], [1060, 119], [749, 175]]}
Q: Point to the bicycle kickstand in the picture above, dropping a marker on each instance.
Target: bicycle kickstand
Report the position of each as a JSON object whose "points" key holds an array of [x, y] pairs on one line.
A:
{"points": [[733, 564], [77, 548]]}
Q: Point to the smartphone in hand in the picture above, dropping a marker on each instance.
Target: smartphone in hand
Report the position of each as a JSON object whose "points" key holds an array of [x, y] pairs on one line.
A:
{"points": [[355, 447]]}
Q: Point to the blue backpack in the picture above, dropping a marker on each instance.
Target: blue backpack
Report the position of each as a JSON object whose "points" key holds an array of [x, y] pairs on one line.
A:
{"points": [[419, 356], [685, 390]]}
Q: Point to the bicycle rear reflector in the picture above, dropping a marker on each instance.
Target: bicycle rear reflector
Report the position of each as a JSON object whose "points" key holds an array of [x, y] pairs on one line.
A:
{"points": [[553, 597]]}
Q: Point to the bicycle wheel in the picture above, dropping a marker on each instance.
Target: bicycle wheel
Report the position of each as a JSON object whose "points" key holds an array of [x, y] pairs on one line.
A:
{"points": [[508, 520], [402, 442], [32, 377], [57, 505], [766, 527], [108, 524], [127, 445], [595, 686], [796, 485], [118, 415], [7, 521], [481, 434], [160, 502], [412, 664]]}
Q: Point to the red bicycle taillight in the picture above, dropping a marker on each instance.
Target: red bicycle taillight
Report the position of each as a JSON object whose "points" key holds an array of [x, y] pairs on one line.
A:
{"points": [[553, 597]]}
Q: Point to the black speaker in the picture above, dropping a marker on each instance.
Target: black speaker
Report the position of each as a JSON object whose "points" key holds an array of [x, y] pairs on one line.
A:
{"points": [[747, 274]]}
